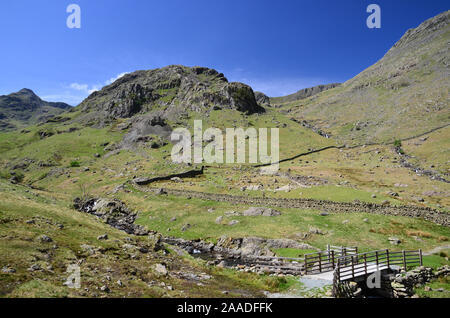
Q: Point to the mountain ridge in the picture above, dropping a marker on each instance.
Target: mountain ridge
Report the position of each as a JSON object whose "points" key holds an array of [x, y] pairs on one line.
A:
{"points": [[24, 108], [403, 94]]}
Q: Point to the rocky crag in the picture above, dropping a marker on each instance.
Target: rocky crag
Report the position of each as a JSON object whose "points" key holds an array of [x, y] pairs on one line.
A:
{"points": [[170, 92]]}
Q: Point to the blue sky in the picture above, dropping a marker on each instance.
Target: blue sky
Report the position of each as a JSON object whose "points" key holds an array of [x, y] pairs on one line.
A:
{"points": [[277, 47]]}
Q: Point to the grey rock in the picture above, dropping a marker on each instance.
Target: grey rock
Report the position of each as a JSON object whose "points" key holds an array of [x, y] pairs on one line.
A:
{"points": [[35, 267], [45, 239], [105, 289], [260, 211], [394, 240], [185, 227], [102, 237], [219, 220], [161, 269], [8, 270]]}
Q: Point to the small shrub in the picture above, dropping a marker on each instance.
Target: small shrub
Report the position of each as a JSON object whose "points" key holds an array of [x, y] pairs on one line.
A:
{"points": [[84, 191], [419, 234], [19, 176], [5, 174], [75, 164]]}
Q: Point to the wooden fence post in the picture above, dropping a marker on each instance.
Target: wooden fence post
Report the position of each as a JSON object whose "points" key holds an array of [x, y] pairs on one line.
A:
{"points": [[320, 262], [332, 258], [376, 257], [365, 263], [353, 267], [420, 256], [387, 257], [306, 264], [404, 260]]}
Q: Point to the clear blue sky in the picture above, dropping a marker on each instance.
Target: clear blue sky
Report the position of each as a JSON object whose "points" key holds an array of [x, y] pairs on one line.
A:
{"points": [[277, 47]]}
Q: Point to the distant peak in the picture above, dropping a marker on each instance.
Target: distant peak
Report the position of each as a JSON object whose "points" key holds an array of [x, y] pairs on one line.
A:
{"points": [[26, 91]]}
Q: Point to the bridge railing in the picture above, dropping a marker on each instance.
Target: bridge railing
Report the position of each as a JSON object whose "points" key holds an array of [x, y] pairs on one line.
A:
{"points": [[352, 266], [326, 261]]}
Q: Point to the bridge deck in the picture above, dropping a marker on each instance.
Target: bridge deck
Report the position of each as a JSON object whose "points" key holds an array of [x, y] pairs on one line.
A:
{"points": [[349, 272]]}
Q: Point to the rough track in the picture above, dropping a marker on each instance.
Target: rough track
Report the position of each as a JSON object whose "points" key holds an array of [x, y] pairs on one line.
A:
{"points": [[441, 218]]}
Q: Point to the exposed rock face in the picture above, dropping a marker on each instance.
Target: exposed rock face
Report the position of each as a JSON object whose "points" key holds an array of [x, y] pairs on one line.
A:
{"points": [[305, 93], [262, 99], [150, 129], [112, 212], [171, 92], [25, 107]]}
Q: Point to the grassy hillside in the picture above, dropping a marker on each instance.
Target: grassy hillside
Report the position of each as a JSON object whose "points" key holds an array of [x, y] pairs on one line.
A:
{"points": [[123, 263], [395, 114], [403, 94]]}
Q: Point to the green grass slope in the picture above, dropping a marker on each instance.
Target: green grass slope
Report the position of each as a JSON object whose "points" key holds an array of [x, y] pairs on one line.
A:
{"points": [[404, 94]]}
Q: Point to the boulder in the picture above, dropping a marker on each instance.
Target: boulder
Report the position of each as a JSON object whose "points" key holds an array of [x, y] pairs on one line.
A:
{"points": [[260, 211], [161, 269], [45, 239]]}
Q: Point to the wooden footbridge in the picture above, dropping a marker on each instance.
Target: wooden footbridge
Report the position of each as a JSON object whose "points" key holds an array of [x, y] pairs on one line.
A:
{"points": [[348, 264]]}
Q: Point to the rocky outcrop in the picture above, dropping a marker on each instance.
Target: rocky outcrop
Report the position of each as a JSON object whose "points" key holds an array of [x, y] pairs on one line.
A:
{"points": [[112, 212], [151, 130], [171, 92], [262, 99]]}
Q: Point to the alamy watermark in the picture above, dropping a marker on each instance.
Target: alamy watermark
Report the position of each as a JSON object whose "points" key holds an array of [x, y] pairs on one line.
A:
{"points": [[184, 151], [74, 279], [374, 20], [74, 19]]}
